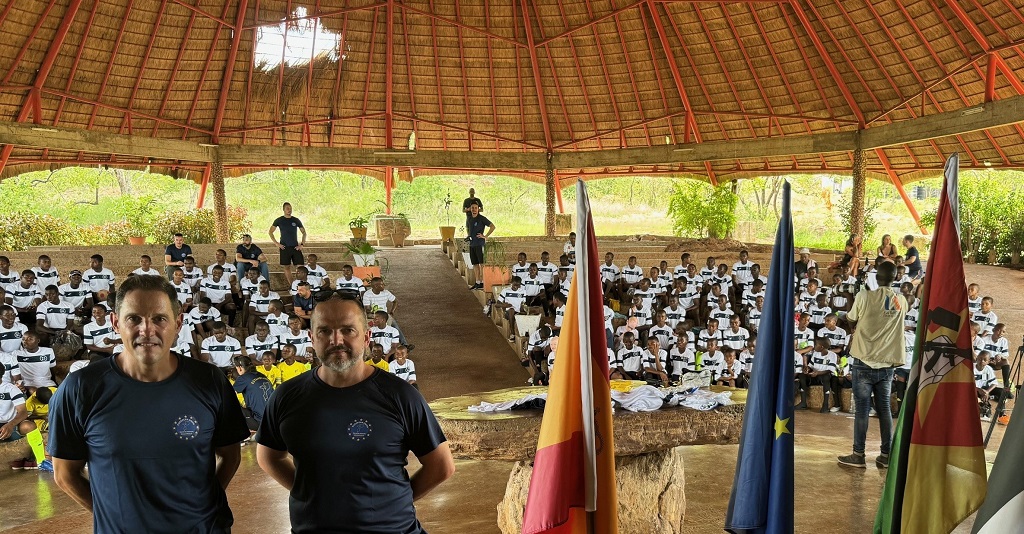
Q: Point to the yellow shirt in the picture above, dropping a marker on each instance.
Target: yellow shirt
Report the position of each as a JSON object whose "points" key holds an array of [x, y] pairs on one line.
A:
{"points": [[289, 372], [273, 374], [382, 364], [36, 409]]}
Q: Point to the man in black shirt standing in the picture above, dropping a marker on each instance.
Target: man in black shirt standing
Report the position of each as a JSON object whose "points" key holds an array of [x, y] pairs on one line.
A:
{"points": [[175, 254], [478, 229], [249, 256], [349, 428], [291, 247], [472, 199], [160, 432]]}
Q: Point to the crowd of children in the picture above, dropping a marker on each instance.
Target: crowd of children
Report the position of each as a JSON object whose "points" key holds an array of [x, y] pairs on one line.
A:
{"points": [[40, 313], [662, 323]]}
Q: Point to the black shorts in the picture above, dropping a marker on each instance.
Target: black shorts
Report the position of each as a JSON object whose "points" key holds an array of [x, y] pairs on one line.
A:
{"points": [[476, 255], [292, 256]]}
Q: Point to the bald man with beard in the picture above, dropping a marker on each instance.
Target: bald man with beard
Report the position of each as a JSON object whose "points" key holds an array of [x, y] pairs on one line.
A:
{"points": [[338, 438]]}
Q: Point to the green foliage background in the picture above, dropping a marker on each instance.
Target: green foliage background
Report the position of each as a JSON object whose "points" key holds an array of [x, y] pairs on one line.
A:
{"points": [[92, 206]]}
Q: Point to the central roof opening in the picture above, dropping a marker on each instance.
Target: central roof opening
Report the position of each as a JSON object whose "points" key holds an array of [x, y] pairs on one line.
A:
{"points": [[295, 41]]}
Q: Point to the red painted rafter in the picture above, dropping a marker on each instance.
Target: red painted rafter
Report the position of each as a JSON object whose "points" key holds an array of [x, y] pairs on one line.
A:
{"points": [[43, 72], [829, 64], [174, 70], [307, 139], [198, 11], [592, 22], [458, 24], [113, 59], [677, 78], [280, 79], [607, 80], [229, 69], [408, 71], [206, 69], [447, 126], [369, 71], [28, 41], [632, 76], [248, 77], [126, 122], [437, 80], [753, 71], [554, 78], [535, 67], [389, 65], [725, 71], [490, 73], [462, 67], [518, 76], [74, 67], [661, 83], [316, 14], [899, 188]]}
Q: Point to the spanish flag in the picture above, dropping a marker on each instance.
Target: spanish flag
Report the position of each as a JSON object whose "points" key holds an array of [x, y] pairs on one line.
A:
{"points": [[936, 475], [574, 469]]}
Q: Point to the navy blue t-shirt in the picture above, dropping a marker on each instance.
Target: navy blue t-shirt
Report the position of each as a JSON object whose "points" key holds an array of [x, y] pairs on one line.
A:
{"points": [[251, 253], [477, 225], [305, 303], [914, 267], [256, 390], [289, 227], [178, 254], [351, 442], [150, 445]]}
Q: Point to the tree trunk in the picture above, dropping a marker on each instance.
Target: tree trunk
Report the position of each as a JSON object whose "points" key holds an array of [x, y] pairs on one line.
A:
{"points": [[123, 182], [857, 196]]}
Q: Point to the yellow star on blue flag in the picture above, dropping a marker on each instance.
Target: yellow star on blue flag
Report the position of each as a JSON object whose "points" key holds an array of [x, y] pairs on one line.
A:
{"points": [[781, 427]]}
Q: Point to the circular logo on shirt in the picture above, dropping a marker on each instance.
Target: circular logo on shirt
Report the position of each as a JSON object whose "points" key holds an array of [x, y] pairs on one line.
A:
{"points": [[186, 427], [359, 430]]}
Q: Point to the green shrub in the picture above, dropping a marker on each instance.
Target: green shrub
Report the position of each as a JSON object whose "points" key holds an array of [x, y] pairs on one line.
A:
{"points": [[698, 209], [19, 231], [197, 226]]}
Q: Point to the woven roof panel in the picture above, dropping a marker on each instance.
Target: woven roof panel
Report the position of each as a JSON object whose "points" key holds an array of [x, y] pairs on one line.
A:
{"points": [[610, 74]]}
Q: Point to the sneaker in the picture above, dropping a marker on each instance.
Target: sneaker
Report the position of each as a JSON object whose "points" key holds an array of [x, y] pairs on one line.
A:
{"points": [[834, 409], [853, 460], [882, 461], [801, 406], [529, 381], [1003, 419], [872, 413], [985, 418], [46, 467], [31, 464], [18, 464], [512, 338]]}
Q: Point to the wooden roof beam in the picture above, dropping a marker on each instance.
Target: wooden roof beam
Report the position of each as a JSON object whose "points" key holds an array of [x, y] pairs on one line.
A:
{"points": [[207, 14], [591, 22], [458, 24], [535, 67], [992, 115], [229, 69], [677, 78], [315, 15]]}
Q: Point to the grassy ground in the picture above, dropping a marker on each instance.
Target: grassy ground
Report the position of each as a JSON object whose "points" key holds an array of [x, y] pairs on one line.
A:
{"points": [[326, 201]]}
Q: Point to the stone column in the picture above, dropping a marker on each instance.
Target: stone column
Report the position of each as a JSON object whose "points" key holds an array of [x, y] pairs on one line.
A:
{"points": [[859, 189], [220, 203], [549, 200]]}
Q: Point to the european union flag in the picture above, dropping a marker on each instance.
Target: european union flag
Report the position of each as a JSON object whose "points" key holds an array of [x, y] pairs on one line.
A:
{"points": [[762, 492]]}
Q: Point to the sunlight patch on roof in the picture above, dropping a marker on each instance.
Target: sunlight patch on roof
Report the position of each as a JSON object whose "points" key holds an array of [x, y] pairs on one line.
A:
{"points": [[295, 43]]}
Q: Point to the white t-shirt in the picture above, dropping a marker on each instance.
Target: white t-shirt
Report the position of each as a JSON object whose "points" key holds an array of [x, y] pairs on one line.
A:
{"points": [[278, 324], [195, 316], [680, 361], [10, 398], [986, 321], [250, 287], [94, 334], [985, 378], [673, 316], [35, 366], [705, 335], [823, 361], [754, 318], [999, 348], [386, 337], [742, 273], [193, 277], [642, 314], [300, 340], [631, 358], [354, 284], [406, 371], [378, 301], [910, 340], [183, 290], [513, 297], [835, 338], [47, 278], [560, 316], [665, 335], [610, 273], [8, 367], [150, 272], [261, 303], [532, 286], [316, 276], [651, 360], [55, 316], [101, 280], [23, 297], [255, 347], [74, 295], [216, 290], [735, 340], [221, 351], [78, 365], [520, 270], [547, 272], [632, 275], [229, 271]]}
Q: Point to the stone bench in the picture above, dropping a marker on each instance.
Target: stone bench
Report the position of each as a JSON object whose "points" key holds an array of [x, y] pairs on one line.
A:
{"points": [[648, 468]]}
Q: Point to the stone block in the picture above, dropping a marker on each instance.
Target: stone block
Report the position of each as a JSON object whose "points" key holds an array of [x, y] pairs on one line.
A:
{"points": [[815, 397]]}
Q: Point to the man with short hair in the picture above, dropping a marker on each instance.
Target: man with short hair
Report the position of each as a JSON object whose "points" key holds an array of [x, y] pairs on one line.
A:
{"points": [[185, 410], [912, 260], [250, 256], [24, 296], [470, 201], [376, 420], [7, 275], [290, 246], [175, 254], [98, 277], [45, 273], [877, 348], [478, 229]]}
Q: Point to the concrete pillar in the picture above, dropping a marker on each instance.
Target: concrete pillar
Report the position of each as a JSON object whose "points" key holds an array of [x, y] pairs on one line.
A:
{"points": [[220, 203], [549, 200], [859, 190]]}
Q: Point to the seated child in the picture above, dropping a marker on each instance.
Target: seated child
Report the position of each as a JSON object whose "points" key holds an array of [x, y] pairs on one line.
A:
{"points": [[712, 360], [290, 367], [654, 362], [403, 367], [821, 362], [746, 357], [261, 342], [681, 359], [511, 301], [268, 368], [537, 349], [731, 370], [631, 357], [985, 383], [219, 348]]}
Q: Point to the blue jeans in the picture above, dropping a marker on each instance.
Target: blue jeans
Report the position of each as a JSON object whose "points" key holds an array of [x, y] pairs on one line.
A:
{"points": [[868, 381], [243, 266]]}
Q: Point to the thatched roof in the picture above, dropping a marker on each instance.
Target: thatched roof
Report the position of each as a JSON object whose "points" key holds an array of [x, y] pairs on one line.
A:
{"points": [[463, 77]]}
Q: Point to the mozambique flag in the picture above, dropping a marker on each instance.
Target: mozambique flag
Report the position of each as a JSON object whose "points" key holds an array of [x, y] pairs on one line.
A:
{"points": [[762, 490], [574, 470], [936, 475], [1003, 510]]}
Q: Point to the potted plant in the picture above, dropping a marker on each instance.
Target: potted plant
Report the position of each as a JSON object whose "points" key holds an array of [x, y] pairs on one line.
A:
{"points": [[137, 213], [400, 230], [447, 231], [496, 265], [363, 253], [358, 226]]}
